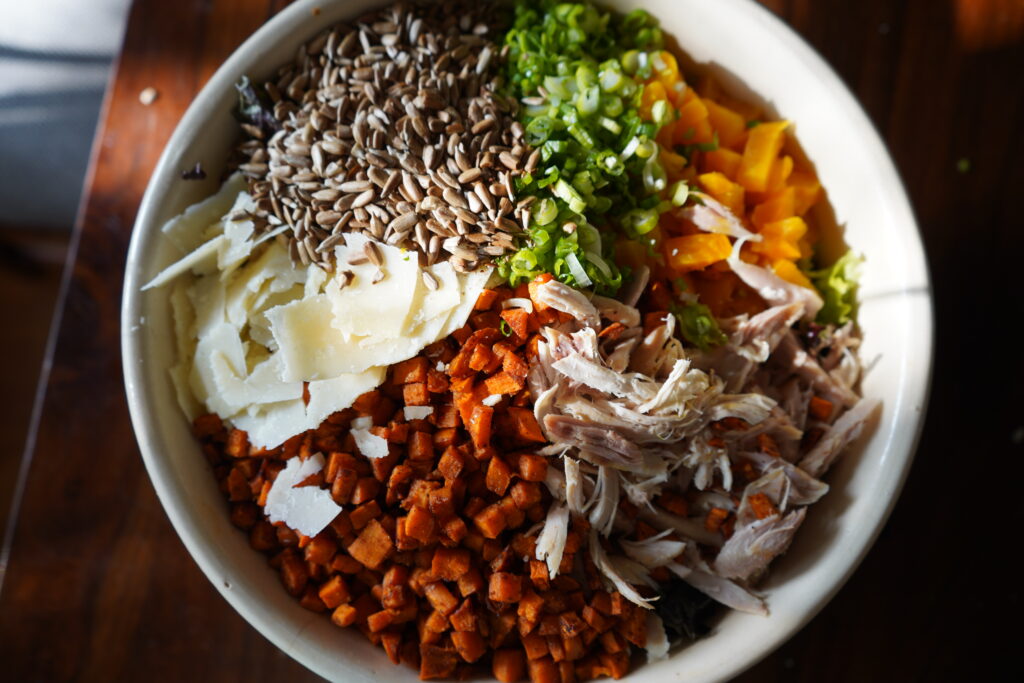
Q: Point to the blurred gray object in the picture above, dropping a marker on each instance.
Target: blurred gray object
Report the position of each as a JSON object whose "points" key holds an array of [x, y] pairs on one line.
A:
{"points": [[55, 59]]}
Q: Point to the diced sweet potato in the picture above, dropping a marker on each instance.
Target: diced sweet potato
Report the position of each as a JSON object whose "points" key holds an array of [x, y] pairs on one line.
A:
{"points": [[499, 476], [490, 521], [448, 564], [533, 467], [505, 587], [419, 524], [416, 394], [480, 425], [373, 545], [409, 371], [508, 665], [503, 383], [469, 645], [440, 598], [524, 425], [437, 662]]}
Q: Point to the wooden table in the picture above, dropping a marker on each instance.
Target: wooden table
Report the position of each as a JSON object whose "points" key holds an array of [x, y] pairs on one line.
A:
{"points": [[99, 588]]}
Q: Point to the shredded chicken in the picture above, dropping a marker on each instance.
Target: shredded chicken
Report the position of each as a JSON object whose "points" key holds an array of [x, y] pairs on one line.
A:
{"points": [[634, 415]]}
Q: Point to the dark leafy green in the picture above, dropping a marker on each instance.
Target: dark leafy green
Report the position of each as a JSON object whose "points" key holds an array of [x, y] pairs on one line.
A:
{"points": [[684, 610]]}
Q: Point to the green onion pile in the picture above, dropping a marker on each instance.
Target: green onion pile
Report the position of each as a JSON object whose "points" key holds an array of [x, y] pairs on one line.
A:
{"points": [[577, 72]]}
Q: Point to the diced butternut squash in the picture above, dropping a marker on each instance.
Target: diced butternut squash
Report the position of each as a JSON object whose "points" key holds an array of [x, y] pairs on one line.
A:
{"points": [[694, 252], [777, 207], [763, 144], [788, 271], [724, 190], [730, 126], [781, 239], [724, 161]]}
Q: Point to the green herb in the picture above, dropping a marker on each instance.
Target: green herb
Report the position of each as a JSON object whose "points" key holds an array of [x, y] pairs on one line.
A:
{"points": [[838, 287], [504, 327], [698, 326], [963, 165], [752, 123], [688, 150], [578, 68]]}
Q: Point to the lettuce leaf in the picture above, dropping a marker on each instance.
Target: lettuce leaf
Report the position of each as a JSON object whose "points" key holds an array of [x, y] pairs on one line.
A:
{"points": [[698, 326], [837, 285]]}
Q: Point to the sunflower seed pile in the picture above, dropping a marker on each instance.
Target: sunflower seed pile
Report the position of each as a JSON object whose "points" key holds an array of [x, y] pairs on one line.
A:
{"points": [[394, 127]]}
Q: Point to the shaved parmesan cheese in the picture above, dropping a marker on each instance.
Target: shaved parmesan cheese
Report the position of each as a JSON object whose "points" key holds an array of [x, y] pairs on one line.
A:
{"points": [[370, 445], [307, 509], [364, 422], [418, 412], [191, 261], [491, 400], [380, 310], [272, 424], [186, 230], [471, 284], [328, 396], [251, 327]]}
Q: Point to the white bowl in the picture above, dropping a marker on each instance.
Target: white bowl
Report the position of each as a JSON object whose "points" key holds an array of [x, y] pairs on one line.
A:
{"points": [[757, 57]]}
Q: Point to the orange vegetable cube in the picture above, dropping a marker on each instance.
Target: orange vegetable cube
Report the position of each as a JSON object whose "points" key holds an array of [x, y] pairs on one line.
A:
{"points": [[695, 252], [724, 190], [789, 272], [730, 126], [763, 144], [724, 161]]}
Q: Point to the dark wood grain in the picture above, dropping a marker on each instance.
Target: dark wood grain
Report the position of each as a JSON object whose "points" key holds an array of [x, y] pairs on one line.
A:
{"points": [[99, 588]]}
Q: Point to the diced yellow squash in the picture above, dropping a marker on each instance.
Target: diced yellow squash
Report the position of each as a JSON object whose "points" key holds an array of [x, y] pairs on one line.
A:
{"points": [[722, 160], [730, 126], [780, 239], [695, 252], [653, 92], [693, 126], [781, 170], [668, 71], [724, 190], [788, 271], [763, 144], [776, 207], [806, 190]]}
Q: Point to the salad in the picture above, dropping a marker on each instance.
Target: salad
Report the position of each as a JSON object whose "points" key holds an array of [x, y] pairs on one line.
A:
{"points": [[509, 344]]}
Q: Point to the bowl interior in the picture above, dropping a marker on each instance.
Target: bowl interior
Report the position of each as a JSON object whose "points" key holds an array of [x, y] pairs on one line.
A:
{"points": [[756, 57]]}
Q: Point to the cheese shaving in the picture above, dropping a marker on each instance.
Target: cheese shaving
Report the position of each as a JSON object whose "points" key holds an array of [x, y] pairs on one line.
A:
{"points": [[307, 509], [370, 445], [418, 412]]}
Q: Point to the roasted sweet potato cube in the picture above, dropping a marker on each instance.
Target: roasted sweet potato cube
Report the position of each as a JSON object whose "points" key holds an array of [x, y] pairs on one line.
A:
{"points": [[464, 618], [373, 546], [440, 598], [490, 521], [416, 394], [525, 494], [469, 645], [455, 529], [419, 524], [507, 665], [480, 425], [512, 364], [534, 645], [480, 357], [448, 564], [470, 582], [544, 670], [451, 464], [437, 662], [344, 615], [529, 611], [420, 446], [237, 445], [410, 371], [533, 467], [505, 587], [499, 476], [524, 425]]}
